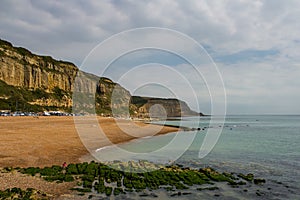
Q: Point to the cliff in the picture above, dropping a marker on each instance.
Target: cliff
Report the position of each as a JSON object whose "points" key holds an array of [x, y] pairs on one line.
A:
{"points": [[19, 67], [32, 82], [41, 83], [160, 107]]}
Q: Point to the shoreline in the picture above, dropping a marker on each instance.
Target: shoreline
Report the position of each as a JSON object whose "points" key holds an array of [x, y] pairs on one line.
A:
{"points": [[159, 129], [51, 140], [12, 178], [72, 183]]}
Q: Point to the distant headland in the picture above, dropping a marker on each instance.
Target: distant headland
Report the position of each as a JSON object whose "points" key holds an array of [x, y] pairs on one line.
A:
{"points": [[35, 83]]}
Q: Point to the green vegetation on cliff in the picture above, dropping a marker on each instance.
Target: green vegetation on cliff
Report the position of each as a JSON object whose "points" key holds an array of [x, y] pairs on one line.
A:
{"points": [[32, 82], [18, 98]]}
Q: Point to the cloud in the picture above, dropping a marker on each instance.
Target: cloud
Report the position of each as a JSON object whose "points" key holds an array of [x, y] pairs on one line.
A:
{"points": [[255, 43], [262, 88], [247, 56]]}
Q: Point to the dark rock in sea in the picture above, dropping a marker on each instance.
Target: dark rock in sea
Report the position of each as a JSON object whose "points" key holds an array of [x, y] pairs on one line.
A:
{"points": [[259, 181], [176, 194], [144, 195], [230, 175], [241, 183], [179, 165], [248, 177], [153, 195], [206, 170], [236, 184], [208, 188], [259, 193]]}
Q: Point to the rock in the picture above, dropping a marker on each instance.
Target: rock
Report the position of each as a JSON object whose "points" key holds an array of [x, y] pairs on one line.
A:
{"points": [[249, 177], [167, 108], [25, 70], [153, 195], [208, 188], [258, 193], [259, 181], [32, 71]]}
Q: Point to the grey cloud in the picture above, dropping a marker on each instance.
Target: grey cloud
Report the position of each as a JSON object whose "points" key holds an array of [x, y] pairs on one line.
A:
{"points": [[68, 30]]}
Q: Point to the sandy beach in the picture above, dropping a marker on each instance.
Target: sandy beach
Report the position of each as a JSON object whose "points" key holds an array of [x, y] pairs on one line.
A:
{"points": [[47, 141]]}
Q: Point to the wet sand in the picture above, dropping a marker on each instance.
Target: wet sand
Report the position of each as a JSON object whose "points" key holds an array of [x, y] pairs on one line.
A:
{"points": [[47, 141]]}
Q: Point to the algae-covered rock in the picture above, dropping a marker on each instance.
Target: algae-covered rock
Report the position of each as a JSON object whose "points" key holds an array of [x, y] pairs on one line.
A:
{"points": [[208, 188], [248, 177], [102, 179], [17, 193], [259, 181]]}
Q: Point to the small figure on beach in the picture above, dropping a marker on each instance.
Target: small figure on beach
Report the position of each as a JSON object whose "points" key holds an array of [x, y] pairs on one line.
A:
{"points": [[64, 165]]}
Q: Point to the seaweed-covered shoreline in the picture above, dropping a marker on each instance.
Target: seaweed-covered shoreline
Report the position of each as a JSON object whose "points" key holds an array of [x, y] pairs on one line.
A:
{"points": [[95, 180]]}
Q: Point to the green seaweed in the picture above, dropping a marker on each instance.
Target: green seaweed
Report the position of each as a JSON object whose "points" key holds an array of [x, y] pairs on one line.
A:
{"points": [[118, 191], [108, 191], [248, 177], [82, 190], [96, 176], [18, 193]]}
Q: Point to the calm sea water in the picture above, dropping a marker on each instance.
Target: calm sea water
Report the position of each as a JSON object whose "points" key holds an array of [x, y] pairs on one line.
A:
{"points": [[267, 146]]}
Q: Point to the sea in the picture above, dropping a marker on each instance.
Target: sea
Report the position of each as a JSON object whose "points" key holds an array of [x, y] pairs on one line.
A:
{"points": [[266, 145]]}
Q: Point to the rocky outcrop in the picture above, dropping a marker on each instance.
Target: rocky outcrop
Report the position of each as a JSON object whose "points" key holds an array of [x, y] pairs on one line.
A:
{"points": [[19, 67], [32, 80], [160, 108], [22, 69]]}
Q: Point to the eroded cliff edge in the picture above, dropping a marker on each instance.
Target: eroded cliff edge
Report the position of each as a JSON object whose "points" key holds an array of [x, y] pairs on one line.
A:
{"points": [[32, 82]]}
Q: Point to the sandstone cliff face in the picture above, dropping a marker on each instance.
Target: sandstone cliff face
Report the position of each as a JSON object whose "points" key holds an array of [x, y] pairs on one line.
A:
{"points": [[113, 98], [30, 79], [160, 108], [20, 68]]}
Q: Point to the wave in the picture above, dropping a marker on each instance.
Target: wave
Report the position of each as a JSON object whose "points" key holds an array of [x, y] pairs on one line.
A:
{"points": [[102, 148]]}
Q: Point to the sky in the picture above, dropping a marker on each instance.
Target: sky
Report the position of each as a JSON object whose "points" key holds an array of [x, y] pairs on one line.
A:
{"points": [[254, 47]]}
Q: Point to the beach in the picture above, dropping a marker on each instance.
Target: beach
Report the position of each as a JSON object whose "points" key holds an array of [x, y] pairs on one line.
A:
{"points": [[46, 141]]}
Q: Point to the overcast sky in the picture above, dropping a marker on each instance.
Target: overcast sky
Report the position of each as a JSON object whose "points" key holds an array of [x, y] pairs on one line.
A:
{"points": [[254, 43]]}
